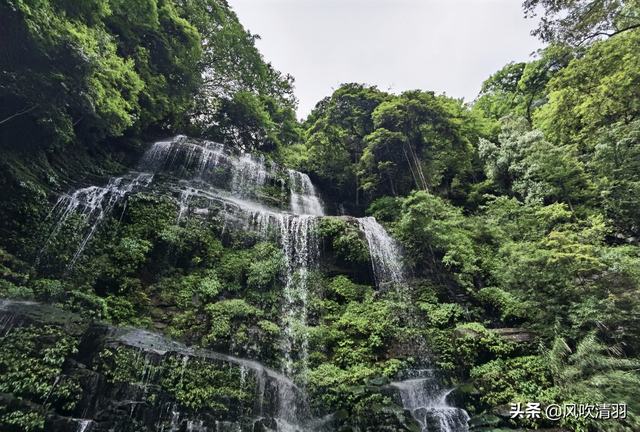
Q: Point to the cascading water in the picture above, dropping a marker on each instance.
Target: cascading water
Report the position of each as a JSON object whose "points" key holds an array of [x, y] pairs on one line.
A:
{"points": [[207, 172], [250, 195], [84, 425], [275, 394], [301, 251], [204, 170], [294, 229], [425, 396], [204, 166], [95, 202], [304, 199], [386, 253], [248, 173]]}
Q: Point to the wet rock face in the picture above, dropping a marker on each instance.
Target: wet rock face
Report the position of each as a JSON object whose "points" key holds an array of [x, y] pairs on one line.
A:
{"points": [[126, 380], [348, 220], [186, 216], [424, 395], [131, 380]]}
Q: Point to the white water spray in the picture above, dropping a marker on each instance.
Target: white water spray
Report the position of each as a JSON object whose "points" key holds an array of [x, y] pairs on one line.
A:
{"points": [[386, 254], [304, 199], [425, 397], [94, 203]]}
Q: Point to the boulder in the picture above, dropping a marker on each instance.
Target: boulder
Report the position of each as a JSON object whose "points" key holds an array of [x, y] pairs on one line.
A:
{"points": [[503, 411], [349, 220], [517, 335]]}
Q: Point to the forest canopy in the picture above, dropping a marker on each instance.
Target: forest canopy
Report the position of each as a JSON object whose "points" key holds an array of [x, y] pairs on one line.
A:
{"points": [[518, 215], [87, 71]]}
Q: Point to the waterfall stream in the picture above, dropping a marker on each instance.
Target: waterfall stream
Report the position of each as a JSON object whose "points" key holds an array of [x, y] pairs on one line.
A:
{"points": [[274, 392], [276, 204], [424, 395], [386, 254], [95, 202]]}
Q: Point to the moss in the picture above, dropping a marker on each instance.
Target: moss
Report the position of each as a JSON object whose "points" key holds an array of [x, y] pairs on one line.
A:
{"points": [[10, 290], [474, 344], [203, 385], [227, 317], [343, 289], [18, 420], [503, 381]]}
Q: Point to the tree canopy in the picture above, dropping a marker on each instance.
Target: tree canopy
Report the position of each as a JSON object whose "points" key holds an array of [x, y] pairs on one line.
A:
{"points": [[366, 143], [518, 217], [576, 22], [75, 71]]}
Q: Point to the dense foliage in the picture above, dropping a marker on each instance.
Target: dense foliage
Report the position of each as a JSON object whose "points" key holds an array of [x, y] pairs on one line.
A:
{"points": [[519, 216], [77, 71], [517, 212], [364, 144]]}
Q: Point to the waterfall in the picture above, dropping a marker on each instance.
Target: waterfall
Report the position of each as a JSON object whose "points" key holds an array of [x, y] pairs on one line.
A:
{"points": [[210, 166], [425, 396], [386, 253], [249, 194], [300, 245], [94, 203], [304, 199], [276, 396], [83, 425], [200, 169], [184, 159], [232, 184], [247, 174]]}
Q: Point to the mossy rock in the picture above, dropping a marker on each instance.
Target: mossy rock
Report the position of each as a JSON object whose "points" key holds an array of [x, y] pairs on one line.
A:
{"points": [[379, 381], [486, 420], [28, 312]]}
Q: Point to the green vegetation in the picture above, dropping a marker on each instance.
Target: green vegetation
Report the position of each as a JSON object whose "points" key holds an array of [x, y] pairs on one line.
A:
{"points": [[519, 216], [364, 144], [31, 361], [194, 383], [75, 72]]}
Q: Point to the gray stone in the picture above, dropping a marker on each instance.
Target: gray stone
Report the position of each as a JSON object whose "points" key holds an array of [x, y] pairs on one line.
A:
{"points": [[517, 335]]}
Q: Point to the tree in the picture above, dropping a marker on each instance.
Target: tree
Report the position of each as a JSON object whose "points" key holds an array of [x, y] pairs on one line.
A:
{"points": [[78, 70], [616, 166], [59, 71], [336, 132], [238, 85], [522, 87], [365, 144], [599, 89], [578, 21], [594, 371], [528, 166], [420, 141]]}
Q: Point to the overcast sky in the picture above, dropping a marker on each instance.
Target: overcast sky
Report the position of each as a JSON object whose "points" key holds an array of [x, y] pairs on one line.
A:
{"points": [[447, 46]]}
